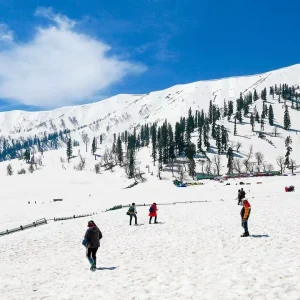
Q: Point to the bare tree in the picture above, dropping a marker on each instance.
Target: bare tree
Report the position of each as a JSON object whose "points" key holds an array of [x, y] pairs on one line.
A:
{"points": [[292, 165], [202, 162], [281, 163], [31, 168], [86, 140], [97, 168], [238, 146], [247, 160], [208, 167], [159, 173], [267, 167], [9, 170], [259, 160], [217, 163], [139, 175], [237, 165], [22, 171], [81, 164], [107, 156], [40, 161], [180, 172]]}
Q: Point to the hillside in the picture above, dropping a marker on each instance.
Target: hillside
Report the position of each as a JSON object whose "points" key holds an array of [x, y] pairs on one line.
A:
{"points": [[20, 130], [141, 143]]}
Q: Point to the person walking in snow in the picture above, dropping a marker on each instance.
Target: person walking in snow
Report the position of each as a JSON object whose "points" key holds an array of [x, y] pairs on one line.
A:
{"points": [[153, 213], [132, 213], [91, 241], [245, 214], [241, 196]]}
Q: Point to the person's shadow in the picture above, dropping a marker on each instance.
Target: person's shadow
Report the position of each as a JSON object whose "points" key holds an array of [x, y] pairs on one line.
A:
{"points": [[109, 268], [260, 235]]}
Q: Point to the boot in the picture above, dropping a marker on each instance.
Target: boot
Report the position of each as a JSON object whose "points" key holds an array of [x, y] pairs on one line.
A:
{"points": [[245, 234]]}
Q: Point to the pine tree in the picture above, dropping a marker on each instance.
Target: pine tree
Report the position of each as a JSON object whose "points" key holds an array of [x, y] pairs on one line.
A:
{"points": [[287, 120], [224, 139], [230, 160], [131, 166], [154, 141], [271, 115], [255, 96], [252, 121], [288, 143], [178, 137], [235, 131], [264, 94], [206, 135], [239, 116], [199, 144], [119, 151], [94, 146], [172, 155], [218, 139], [210, 112], [69, 149], [190, 152], [230, 109], [257, 117]]}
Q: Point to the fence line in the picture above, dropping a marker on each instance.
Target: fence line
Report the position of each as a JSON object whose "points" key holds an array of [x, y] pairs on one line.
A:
{"points": [[42, 222], [147, 204], [23, 227], [73, 217]]}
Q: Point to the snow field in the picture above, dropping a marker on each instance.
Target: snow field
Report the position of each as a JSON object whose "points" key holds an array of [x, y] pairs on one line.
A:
{"points": [[196, 253]]}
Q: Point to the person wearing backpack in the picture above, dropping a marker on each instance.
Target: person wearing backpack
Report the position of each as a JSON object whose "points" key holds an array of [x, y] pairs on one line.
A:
{"points": [[245, 214], [91, 241], [153, 213], [132, 213]]}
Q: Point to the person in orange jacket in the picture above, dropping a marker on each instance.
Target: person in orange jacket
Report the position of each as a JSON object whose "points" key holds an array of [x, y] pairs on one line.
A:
{"points": [[245, 214], [153, 213]]}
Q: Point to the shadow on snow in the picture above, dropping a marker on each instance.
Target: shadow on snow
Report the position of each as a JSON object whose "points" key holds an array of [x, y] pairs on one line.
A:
{"points": [[260, 235], [109, 268]]}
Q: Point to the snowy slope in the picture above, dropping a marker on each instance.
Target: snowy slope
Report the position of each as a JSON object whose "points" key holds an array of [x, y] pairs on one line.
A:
{"points": [[195, 253], [124, 111]]}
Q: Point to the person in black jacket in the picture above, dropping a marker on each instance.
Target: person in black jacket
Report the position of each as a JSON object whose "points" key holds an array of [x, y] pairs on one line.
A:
{"points": [[241, 196], [91, 240]]}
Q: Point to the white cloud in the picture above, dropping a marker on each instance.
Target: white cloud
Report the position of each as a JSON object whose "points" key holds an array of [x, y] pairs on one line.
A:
{"points": [[61, 20], [59, 66], [6, 35]]}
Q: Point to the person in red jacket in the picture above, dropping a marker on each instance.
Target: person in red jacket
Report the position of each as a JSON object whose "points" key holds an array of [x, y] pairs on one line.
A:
{"points": [[153, 213], [245, 214]]}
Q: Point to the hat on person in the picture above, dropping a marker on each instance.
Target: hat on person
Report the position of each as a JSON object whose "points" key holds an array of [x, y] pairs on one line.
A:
{"points": [[91, 223]]}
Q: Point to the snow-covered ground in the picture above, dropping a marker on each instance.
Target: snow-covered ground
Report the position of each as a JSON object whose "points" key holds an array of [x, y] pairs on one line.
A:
{"points": [[195, 253]]}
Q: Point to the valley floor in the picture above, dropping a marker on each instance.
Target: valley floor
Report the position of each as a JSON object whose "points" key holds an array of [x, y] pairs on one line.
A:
{"points": [[196, 252]]}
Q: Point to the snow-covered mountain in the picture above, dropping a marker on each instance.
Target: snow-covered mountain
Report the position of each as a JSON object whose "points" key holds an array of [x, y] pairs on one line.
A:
{"points": [[123, 112]]}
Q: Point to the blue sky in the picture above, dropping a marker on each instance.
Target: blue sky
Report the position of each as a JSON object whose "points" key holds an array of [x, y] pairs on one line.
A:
{"points": [[55, 53]]}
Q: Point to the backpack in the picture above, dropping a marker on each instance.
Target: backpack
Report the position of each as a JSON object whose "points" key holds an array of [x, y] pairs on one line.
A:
{"points": [[131, 209], [151, 209]]}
